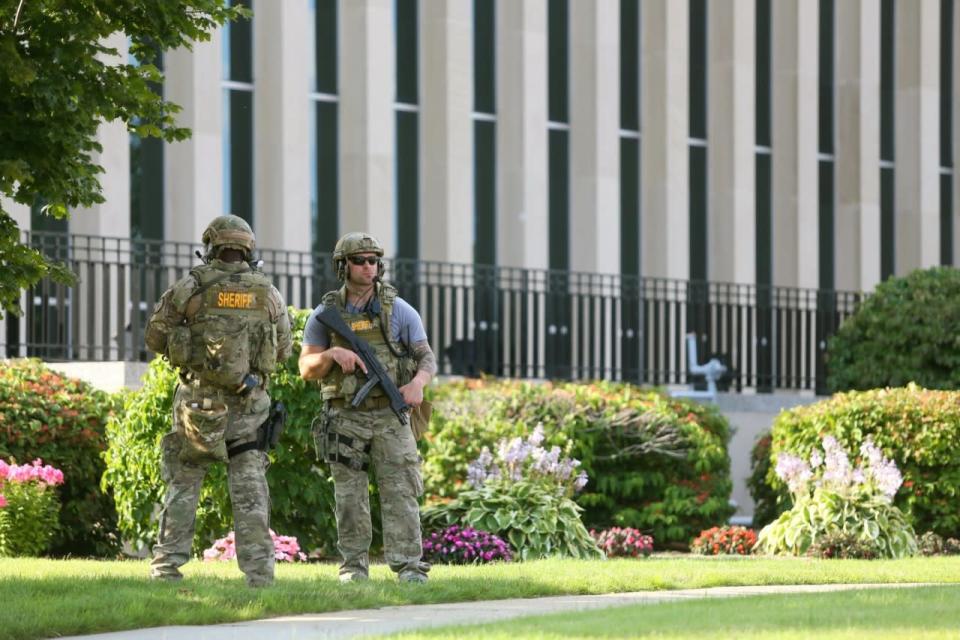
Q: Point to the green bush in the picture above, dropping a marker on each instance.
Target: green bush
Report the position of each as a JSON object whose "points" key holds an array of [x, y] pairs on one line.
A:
{"points": [[918, 429], [906, 331], [61, 420], [767, 503], [301, 491], [655, 463]]}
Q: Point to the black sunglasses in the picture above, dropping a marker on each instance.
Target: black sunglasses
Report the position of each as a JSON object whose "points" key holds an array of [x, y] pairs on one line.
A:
{"points": [[358, 260]]}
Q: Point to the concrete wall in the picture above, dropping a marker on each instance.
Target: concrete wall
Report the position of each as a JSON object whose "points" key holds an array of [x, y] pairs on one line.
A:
{"points": [[749, 416]]}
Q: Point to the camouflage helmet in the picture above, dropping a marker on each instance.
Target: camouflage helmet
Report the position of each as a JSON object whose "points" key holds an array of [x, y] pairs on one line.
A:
{"points": [[351, 243], [356, 242], [229, 231]]}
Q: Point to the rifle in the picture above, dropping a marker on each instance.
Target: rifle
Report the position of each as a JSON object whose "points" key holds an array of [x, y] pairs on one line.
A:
{"points": [[376, 374]]}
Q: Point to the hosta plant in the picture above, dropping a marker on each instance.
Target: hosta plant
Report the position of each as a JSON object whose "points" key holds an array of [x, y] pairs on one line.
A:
{"points": [[524, 495], [724, 540], [831, 496], [623, 542], [464, 545]]}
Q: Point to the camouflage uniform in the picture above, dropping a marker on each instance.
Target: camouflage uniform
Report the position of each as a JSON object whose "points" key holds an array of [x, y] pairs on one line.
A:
{"points": [[220, 310], [371, 435]]}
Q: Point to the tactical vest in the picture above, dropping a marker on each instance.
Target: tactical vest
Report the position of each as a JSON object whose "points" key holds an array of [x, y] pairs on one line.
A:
{"points": [[338, 384], [227, 330]]}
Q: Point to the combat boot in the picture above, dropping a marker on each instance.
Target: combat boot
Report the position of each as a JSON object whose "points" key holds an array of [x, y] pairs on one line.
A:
{"points": [[353, 576], [412, 576], [171, 574]]}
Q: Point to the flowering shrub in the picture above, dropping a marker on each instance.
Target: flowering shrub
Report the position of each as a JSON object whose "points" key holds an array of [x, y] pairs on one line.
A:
{"points": [[285, 549], [919, 429], [623, 542], [29, 516], [724, 540], [656, 463], [464, 545], [524, 496], [831, 495], [44, 414]]}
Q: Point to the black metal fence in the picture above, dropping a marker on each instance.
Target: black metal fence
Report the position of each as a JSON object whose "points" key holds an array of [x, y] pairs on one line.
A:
{"points": [[511, 322]]}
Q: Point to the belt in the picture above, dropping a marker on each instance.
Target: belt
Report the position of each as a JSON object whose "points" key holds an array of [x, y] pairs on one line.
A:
{"points": [[377, 402]]}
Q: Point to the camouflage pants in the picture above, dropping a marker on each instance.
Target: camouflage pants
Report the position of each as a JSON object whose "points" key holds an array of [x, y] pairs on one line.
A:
{"points": [[249, 496], [396, 464]]}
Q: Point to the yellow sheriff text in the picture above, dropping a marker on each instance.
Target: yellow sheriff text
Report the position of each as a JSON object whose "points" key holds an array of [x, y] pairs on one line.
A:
{"points": [[235, 300], [361, 325]]}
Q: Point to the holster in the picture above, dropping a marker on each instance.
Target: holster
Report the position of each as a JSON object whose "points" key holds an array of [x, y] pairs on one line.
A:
{"points": [[268, 434]]}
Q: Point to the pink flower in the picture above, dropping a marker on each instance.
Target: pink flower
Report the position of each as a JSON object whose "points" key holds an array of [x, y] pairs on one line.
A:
{"points": [[3, 501]]}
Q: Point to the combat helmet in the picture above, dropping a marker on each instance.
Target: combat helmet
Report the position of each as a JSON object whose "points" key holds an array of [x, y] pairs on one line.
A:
{"points": [[228, 231], [351, 243]]}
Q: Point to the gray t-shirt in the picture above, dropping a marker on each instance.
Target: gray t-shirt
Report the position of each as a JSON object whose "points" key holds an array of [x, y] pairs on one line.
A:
{"points": [[405, 325]]}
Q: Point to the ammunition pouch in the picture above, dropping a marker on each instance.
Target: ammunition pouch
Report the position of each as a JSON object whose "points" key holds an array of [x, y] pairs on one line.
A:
{"points": [[202, 426], [330, 445]]}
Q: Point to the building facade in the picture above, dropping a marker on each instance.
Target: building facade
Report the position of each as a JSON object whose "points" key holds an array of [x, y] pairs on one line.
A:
{"points": [[790, 142], [764, 143]]}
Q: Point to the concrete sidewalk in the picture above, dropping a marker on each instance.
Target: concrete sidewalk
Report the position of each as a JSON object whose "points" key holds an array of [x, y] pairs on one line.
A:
{"points": [[348, 624]]}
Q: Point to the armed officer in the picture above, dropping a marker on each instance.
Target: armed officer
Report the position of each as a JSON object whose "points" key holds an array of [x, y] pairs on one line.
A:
{"points": [[353, 438], [227, 328]]}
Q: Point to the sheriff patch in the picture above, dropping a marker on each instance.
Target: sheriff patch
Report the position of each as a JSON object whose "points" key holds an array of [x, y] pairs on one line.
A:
{"points": [[361, 325], [236, 300]]}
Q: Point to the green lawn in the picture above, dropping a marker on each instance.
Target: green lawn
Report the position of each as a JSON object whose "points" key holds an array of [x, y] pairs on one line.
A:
{"points": [[923, 612], [43, 598]]}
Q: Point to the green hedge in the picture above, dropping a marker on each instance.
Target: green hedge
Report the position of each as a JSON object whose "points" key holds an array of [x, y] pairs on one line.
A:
{"points": [[61, 420], [655, 463], [908, 330], [918, 429], [301, 491]]}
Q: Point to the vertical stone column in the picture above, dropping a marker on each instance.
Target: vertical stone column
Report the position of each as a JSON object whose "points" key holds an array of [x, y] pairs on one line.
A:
{"points": [[193, 168], [731, 159], [917, 185], [595, 136], [446, 131], [367, 77], [521, 70], [665, 123], [858, 145], [111, 217], [281, 49], [794, 135]]}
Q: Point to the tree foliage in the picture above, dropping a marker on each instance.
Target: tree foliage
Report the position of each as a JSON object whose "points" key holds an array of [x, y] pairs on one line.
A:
{"points": [[60, 80]]}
